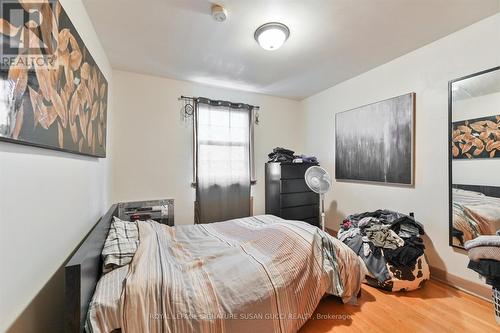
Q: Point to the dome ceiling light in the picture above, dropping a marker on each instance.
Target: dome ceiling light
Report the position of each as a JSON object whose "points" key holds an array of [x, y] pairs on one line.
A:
{"points": [[271, 36]]}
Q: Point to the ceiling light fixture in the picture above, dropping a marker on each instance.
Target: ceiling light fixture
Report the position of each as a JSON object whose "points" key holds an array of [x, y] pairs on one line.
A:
{"points": [[272, 35]]}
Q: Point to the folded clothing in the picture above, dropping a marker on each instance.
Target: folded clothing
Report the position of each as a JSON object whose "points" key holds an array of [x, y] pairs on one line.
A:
{"points": [[308, 159], [489, 240], [279, 150], [281, 155], [407, 226], [385, 215], [374, 260], [287, 156], [381, 236], [407, 254], [484, 252], [365, 221], [343, 234], [486, 267], [495, 282], [399, 222], [346, 224]]}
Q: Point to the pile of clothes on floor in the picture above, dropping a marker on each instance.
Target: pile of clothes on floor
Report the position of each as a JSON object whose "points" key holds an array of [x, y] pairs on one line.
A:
{"points": [[284, 155], [390, 245], [484, 255]]}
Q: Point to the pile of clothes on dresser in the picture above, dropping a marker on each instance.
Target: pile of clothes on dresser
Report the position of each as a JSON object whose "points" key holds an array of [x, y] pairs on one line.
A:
{"points": [[484, 255], [284, 155], [383, 237]]}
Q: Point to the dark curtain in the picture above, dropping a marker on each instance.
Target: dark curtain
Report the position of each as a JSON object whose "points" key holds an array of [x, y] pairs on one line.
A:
{"points": [[223, 160]]}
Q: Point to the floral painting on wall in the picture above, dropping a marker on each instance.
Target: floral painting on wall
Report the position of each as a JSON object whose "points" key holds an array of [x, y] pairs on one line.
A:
{"points": [[476, 138], [52, 93]]}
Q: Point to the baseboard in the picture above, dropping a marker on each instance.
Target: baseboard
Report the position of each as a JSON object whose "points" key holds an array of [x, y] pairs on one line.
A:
{"points": [[472, 288]]}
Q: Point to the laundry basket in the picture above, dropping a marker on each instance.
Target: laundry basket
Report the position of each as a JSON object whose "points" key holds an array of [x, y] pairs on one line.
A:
{"points": [[496, 304]]}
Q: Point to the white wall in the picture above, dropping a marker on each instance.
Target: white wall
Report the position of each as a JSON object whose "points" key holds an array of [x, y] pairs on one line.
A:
{"points": [[152, 156], [48, 201], [425, 71]]}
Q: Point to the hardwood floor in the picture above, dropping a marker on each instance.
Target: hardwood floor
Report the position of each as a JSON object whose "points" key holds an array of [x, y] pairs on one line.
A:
{"points": [[433, 309]]}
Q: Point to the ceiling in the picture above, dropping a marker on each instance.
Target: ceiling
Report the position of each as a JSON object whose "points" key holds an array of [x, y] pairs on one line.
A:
{"points": [[480, 85], [330, 40]]}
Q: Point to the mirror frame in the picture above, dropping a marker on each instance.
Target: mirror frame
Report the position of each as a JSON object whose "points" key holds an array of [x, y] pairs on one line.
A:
{"points": [[450, 153]]}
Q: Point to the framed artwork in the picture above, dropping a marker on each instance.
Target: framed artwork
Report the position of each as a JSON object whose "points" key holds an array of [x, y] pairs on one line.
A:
{"points": [[476, 138], [52, 93], [375, 142]]}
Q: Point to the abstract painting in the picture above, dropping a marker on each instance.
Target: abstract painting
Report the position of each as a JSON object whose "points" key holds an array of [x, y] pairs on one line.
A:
{"points": [[52, 93], [476, 138], [374, 142]]}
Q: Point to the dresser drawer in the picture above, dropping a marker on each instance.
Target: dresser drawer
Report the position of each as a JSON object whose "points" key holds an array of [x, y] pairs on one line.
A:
{"points": [[293, 171], [299, 199], [294, 185], [299, 213]]}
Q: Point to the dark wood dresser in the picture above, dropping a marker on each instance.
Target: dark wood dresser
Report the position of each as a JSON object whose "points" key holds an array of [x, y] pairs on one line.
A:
{"points": [[287, 194]]}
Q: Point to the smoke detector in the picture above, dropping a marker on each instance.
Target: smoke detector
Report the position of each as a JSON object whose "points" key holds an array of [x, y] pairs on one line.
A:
{"points": [[219, 13]]}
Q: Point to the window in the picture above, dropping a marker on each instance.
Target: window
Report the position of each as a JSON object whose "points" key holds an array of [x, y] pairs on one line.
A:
{"points": [[224, 160]]}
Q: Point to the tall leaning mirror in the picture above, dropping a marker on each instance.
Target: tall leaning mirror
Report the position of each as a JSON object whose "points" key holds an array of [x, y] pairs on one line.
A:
{"points": [[474, 161]]}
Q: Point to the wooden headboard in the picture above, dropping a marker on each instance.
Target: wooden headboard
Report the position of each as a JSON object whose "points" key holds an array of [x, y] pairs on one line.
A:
{"points": [[82, 272]]}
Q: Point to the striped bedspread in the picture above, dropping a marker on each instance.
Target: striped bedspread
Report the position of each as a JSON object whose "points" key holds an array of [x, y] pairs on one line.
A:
{"points": [[256, 274], [475, 214]]}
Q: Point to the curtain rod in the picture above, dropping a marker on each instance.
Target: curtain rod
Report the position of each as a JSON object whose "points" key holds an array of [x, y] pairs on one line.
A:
{"points": [[191, 98]]}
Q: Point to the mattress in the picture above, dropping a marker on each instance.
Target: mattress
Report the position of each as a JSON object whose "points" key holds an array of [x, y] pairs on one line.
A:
{"points": [[260, 273], [475, 214], [104, 308]]}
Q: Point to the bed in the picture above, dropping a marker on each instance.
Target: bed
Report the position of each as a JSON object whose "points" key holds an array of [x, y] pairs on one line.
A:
{"points": [[474, 213], [260, 273]]}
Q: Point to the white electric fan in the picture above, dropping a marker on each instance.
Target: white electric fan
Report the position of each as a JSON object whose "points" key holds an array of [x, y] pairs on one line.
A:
{"points": [[320, 182]]}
